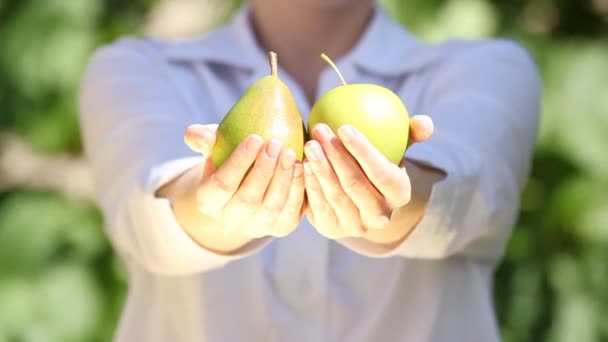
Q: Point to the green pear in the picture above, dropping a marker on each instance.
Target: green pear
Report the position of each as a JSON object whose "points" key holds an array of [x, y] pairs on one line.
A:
{"points": [[375, 111], [266, 108]]}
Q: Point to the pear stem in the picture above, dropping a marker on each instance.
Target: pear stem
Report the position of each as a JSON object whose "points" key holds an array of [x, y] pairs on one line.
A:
{"points": [[333, 66], [273, 64]]}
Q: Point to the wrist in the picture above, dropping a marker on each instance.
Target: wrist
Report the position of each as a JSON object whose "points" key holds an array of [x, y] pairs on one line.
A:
{"points": [[404, 219], [203, 229]]}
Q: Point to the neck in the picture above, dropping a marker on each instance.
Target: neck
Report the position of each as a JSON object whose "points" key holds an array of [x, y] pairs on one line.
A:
{"points": [[299, 32]]}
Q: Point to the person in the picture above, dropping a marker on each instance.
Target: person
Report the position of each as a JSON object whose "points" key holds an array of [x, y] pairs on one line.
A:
{"points": [[344, 246]]}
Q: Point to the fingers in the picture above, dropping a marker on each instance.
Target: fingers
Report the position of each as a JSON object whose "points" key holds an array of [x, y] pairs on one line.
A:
{"points": [[321, 214], [353, 180], [390, 180], [421, 128], [258, 186], [200, 138], [291, 214], [249, 196], [275, 196], [345, 210], [340, 177], [215, 191]]}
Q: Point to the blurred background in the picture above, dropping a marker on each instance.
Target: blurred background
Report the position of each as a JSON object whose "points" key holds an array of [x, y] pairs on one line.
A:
{"points": [[59, 279]]}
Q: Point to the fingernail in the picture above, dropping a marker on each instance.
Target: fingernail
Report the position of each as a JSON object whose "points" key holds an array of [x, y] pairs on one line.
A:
{"points": [[205, 135], [201, 145], [289, 157], [205, 139], [313, 151], [347, 133], [273, 148], [254, 143], [307, 169], [323, 132], [297, 171], [428, 128]]}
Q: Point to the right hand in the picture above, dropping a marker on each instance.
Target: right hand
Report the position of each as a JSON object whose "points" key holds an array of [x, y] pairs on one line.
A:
{"points": [[258, 191]]}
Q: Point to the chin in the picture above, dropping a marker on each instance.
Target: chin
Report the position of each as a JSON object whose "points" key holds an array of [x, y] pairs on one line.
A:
{"points": [[330, 4]]}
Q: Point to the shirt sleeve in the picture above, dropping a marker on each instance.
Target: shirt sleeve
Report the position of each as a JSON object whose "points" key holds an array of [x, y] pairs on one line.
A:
{"points": [[132, 121], [484, 99]]}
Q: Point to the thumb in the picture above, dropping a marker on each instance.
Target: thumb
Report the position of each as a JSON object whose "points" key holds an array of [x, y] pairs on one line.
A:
{"points": [[421, 128], [201, 138]]}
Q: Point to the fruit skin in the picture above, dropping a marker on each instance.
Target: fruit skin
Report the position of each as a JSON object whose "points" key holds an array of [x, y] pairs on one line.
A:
{"points": [[375, 111], [267, 108]]}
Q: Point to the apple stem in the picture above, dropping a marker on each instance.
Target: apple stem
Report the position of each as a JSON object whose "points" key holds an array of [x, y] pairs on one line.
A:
{"points": [[273, 64], [333, 66]]}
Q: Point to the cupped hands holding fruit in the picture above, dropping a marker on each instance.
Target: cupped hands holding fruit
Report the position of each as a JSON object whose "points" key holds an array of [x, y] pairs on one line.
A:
{"points": [[252, 184], [354, 180], [258, 190], [355, 173]]}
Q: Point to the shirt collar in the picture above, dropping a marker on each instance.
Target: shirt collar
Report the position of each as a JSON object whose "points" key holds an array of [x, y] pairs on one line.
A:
{"points": [[388, 49], [233, 45], [385, 48]]}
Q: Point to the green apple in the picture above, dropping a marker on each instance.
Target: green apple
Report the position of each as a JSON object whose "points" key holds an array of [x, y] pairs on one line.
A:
{"points": [[375, 111]]}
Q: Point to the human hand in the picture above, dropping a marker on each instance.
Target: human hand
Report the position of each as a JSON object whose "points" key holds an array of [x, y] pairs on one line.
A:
{"points": [[350, 186], [258, 190]]}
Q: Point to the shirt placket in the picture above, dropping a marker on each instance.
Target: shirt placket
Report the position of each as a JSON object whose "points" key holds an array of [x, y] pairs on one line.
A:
{"points": [[301, 260]]}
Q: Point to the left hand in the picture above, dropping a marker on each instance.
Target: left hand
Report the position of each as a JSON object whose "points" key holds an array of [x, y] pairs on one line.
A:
{"points": [[350, 186]]}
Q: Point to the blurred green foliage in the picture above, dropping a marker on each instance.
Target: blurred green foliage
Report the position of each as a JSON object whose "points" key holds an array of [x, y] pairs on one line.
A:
{"points": [[60, 280]]}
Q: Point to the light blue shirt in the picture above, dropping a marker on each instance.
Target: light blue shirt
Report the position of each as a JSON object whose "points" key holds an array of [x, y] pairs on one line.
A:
{"points": [[138, 97]]}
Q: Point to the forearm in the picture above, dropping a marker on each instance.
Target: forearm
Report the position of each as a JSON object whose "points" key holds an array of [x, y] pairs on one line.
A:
{"points": [[405, 219], [201, 228]]}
